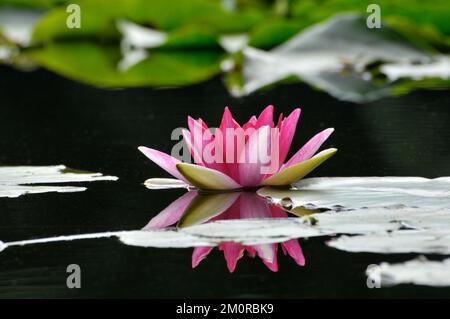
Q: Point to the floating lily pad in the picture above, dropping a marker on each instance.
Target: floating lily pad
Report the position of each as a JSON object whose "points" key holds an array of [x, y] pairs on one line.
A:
{"points": [[335, 56], [428, 241], [359, 192], [99, 65], [419, 271], [18, 180], [99, 18]]}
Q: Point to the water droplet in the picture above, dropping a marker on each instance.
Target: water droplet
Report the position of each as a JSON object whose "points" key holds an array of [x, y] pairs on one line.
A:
{"points": [[287, 203], [2, 246]]}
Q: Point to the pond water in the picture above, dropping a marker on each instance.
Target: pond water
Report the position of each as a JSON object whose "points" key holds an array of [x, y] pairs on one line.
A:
{"points": [[49, 120]]}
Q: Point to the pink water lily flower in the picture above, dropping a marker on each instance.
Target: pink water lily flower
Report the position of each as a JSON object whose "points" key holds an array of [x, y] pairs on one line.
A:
{"points": [[256, 161]]}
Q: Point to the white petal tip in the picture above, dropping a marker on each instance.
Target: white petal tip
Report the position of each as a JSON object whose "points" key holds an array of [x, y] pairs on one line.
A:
{"points": [[326, 152]]}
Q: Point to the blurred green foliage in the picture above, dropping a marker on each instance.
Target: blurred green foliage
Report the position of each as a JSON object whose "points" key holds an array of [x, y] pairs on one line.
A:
{"points": [[192, 52], [99, 16], [97, 65], [269, 23]]}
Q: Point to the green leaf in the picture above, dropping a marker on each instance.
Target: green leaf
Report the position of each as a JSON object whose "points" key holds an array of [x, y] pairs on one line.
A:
{"points": [[95, 64], [36, 4], [192, 37], [418, 11], [273, 33], [98, 18], [296, 172]]}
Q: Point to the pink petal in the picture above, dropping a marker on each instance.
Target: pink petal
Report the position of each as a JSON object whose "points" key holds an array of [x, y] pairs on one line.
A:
{"points": [[309, 149], [195, 152], [227, 120], [250, 160], [287, 131], [252, 205], [233, 212], [268, 254], [230, 168], [172, 213], [276, 211], [163, 160], [199, 134], [292, 247], [232, 252], [203, 123], [197, 147], [280, 121], [266, 117], [251, 252], [251, 123], [295, 251], [199, 254]]}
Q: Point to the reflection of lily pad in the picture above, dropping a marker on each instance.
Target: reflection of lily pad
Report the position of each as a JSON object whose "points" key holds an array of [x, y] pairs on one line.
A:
{"points": [[97, 65]]}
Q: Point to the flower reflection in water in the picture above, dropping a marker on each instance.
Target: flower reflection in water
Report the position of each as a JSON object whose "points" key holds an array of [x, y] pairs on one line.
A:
{"points": [[194, 208]]}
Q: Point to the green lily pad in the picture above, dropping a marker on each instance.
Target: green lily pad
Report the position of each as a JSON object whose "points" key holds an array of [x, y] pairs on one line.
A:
{"points": [[98, 65], [99, 17]]}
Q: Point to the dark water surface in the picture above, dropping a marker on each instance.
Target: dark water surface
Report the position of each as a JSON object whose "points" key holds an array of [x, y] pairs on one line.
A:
{"points": [[47, 120]]}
